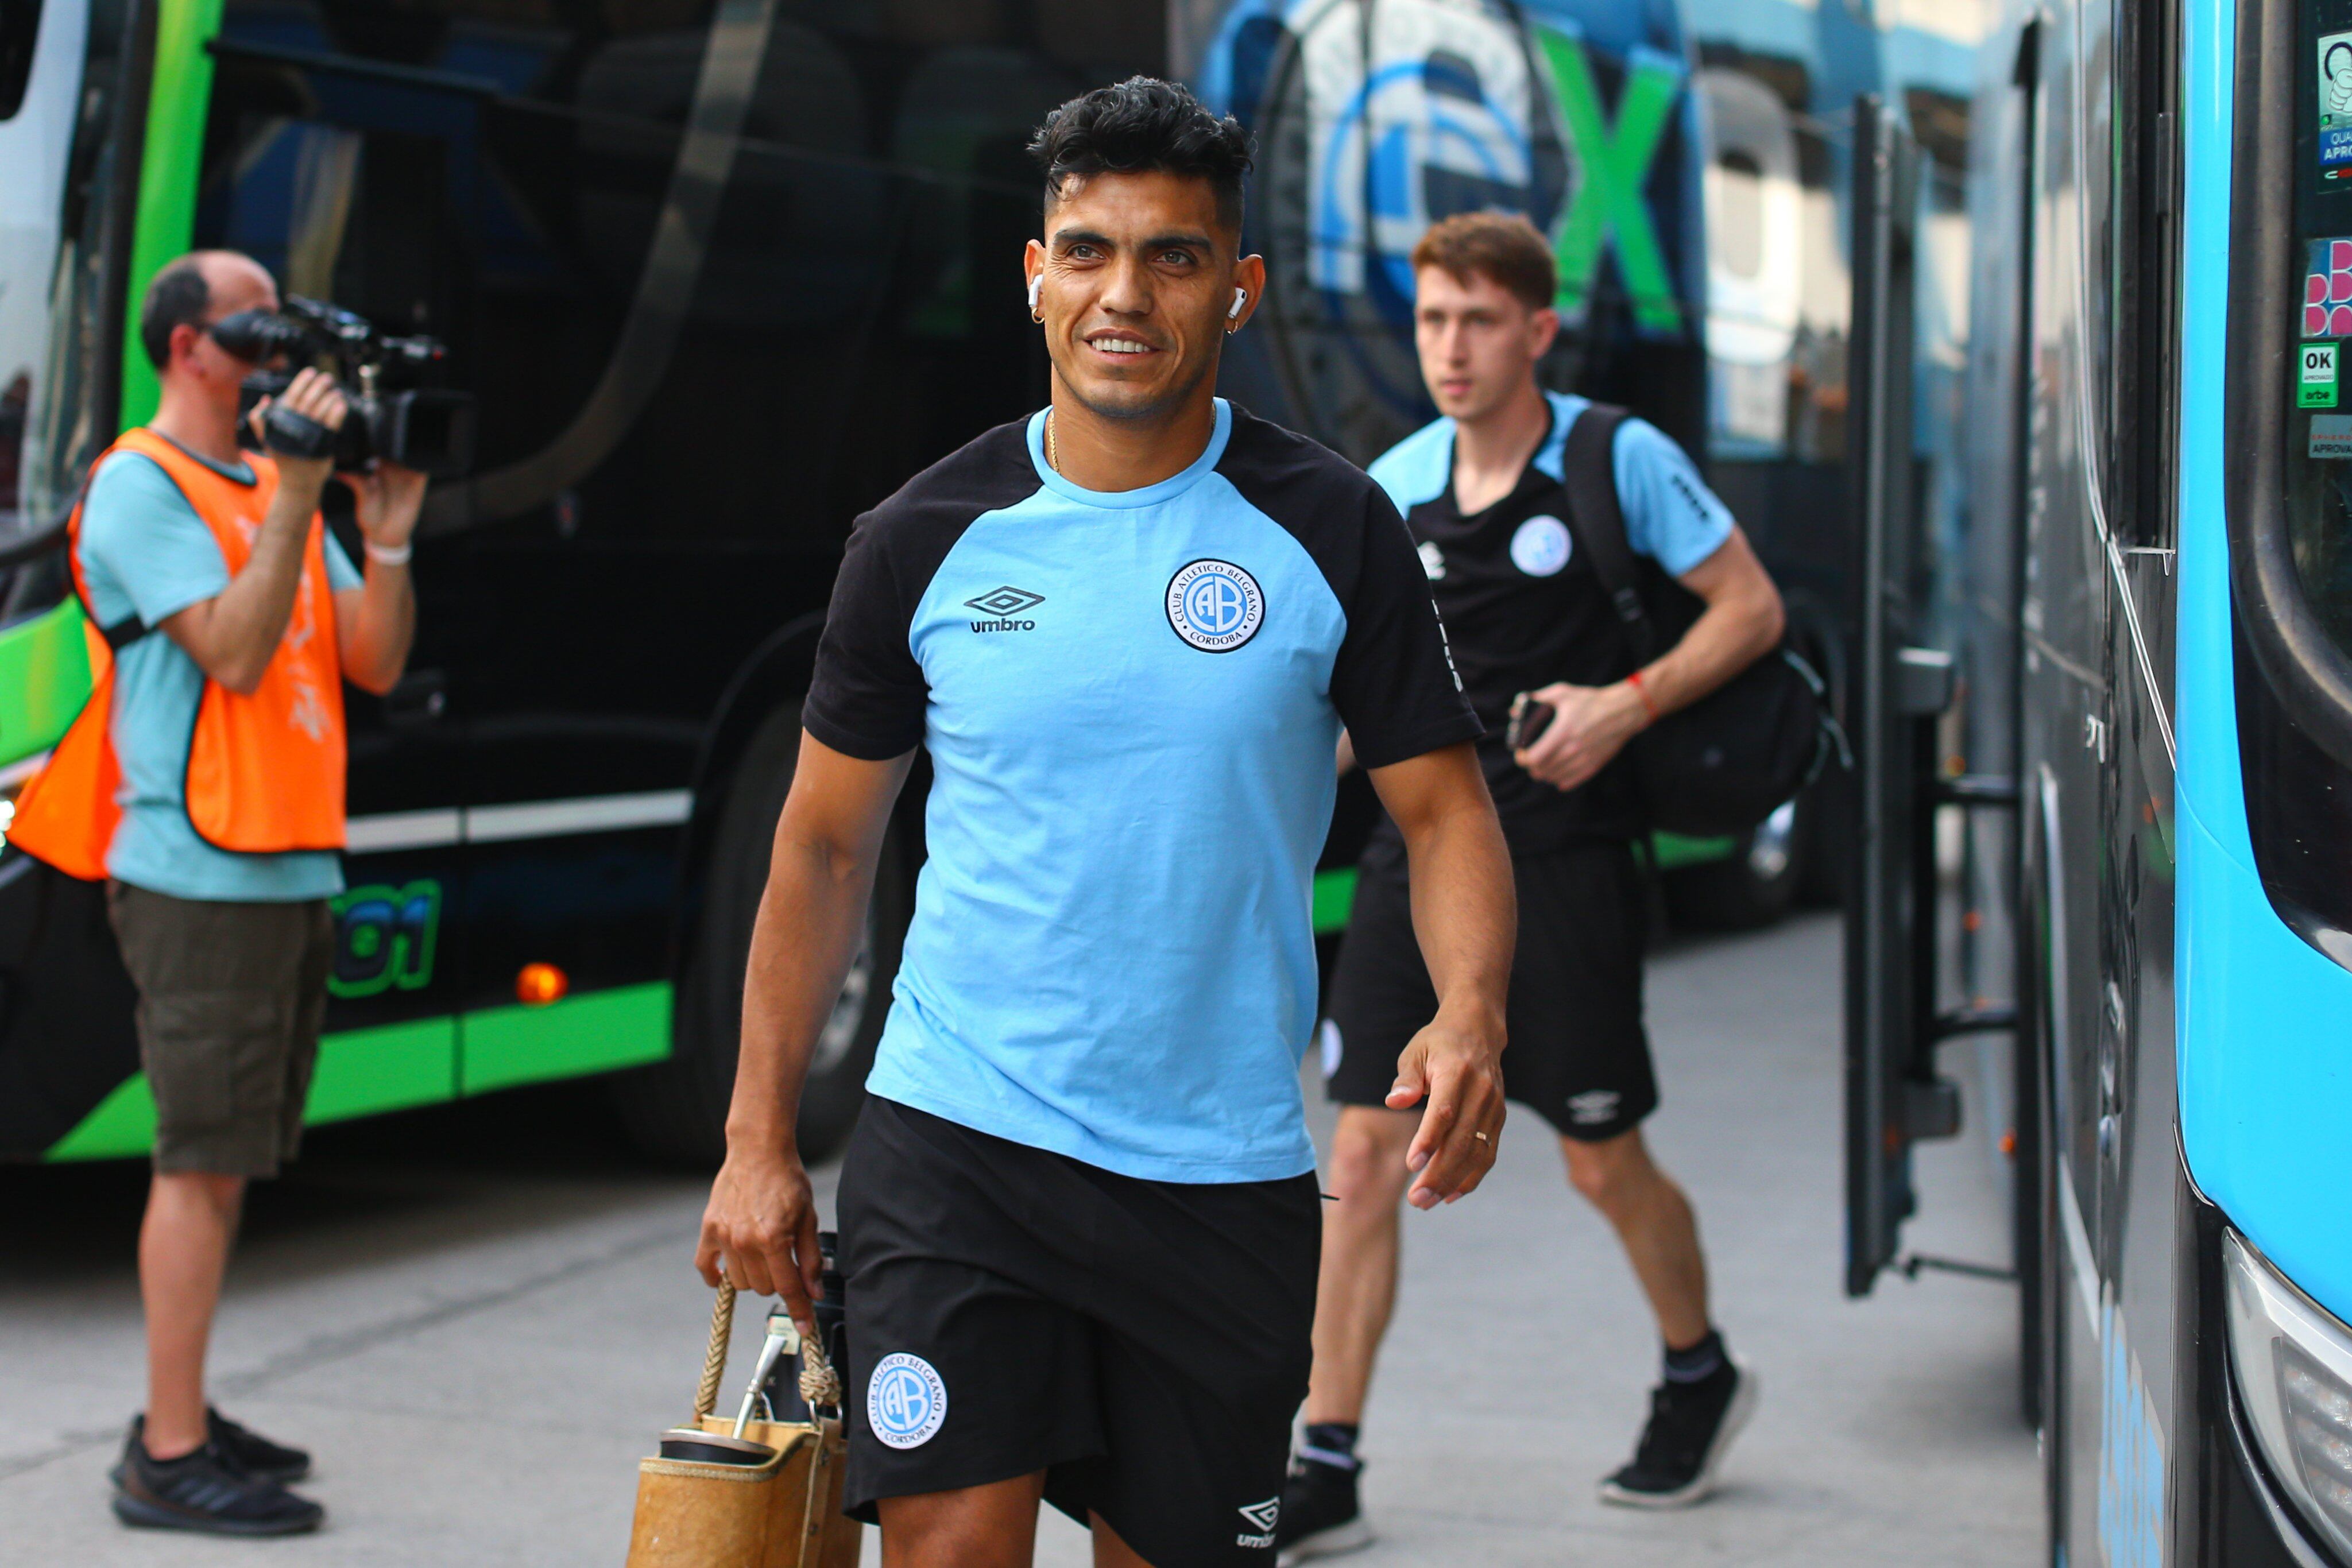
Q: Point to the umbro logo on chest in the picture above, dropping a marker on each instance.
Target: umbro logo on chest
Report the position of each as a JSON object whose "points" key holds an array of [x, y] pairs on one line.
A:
{"points": [[1004, 608]]}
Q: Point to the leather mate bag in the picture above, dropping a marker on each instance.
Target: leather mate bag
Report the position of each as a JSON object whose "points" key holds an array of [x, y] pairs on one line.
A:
{"points": [[746, 1493], [1727, 761]]}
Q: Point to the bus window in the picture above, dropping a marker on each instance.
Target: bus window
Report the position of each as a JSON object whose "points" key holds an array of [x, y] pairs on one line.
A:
{"points": [[72, 341], [2291, 487]]}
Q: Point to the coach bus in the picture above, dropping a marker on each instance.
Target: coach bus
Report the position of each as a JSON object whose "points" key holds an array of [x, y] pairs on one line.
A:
{"points": [[721, 273], [2156, 764]]}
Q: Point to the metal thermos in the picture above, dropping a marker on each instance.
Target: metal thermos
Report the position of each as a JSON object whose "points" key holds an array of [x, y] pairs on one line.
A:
{"points": [[784, 1381]]}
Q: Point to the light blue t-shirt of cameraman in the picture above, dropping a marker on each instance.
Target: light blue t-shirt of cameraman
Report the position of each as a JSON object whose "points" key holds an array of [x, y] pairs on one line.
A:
{"points": [[144, 552]]}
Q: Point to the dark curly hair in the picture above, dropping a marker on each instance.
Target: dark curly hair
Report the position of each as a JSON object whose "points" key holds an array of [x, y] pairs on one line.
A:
{"points": [[1144, 124]]}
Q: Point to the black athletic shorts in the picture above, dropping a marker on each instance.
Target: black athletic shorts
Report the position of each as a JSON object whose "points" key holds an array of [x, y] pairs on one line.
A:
{"points": [[1144, 1343], [1577, 1055]]}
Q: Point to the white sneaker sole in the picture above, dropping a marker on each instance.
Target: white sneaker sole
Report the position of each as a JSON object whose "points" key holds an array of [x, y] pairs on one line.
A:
{"points": [[1335, 1541], [1743, 1405]]}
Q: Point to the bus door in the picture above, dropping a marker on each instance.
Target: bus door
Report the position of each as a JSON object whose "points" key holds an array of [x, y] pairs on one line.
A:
{"points": [[2094, 580], [1894, 1016], [346, 172]]}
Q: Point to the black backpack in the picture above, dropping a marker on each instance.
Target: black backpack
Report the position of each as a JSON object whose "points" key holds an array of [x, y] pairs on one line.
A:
{"points": [[1729, 760]]}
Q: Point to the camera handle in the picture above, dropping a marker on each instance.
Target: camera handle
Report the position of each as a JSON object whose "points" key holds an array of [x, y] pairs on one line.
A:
{"points": [[291, 434]]}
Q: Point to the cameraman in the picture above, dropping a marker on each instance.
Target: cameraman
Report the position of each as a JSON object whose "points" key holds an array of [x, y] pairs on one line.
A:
{"points": [[218, 888]]}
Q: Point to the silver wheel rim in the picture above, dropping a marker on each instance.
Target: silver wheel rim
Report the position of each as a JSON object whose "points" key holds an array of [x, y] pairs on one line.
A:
{"points": [[1770, 847]]}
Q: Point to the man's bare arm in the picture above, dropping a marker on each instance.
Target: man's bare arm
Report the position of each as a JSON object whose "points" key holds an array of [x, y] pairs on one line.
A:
{"points": [[233, 635], [1465, 914], [1742, 622], [759, 1227], [375, 624]]}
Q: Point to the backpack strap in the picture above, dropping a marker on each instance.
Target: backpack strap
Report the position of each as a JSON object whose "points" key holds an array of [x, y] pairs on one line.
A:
{"points": [[1589, 475]]}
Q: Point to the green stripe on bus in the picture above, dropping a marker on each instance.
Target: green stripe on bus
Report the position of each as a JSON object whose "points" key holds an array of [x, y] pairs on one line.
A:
{"points": [[392, 1067], [389, 1067], [44, 679], [361, 1071], [123, 1123], [1673, 849], [603, 1029], [168, 169], [1335, 896]]}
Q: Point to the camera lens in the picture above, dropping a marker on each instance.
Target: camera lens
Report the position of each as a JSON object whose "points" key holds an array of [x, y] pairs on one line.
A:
{"points": [[256, 335]]}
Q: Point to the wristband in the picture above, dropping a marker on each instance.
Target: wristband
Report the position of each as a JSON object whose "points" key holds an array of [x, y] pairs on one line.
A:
{"points": [[1634, 680], [388, 555]]}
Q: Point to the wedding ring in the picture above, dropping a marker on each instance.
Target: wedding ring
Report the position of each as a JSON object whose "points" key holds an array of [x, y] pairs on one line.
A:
{"points": [[1481, 1138]]}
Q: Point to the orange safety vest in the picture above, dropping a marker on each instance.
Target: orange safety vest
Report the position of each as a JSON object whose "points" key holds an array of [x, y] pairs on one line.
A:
{"points": [[265, 770]]}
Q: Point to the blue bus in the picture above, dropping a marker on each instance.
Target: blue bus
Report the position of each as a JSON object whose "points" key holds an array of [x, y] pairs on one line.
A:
{"points": [[2153, 756]]}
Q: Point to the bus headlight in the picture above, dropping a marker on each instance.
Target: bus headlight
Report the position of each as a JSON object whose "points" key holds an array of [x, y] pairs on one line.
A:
{"points": [[2294, 1365]]}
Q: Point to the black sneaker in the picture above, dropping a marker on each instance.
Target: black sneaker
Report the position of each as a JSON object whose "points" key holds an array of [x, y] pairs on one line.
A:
{"points": [[1690, 1426], [1319, 1516], [208, 1492], [249, 1450], [255, 1454]]}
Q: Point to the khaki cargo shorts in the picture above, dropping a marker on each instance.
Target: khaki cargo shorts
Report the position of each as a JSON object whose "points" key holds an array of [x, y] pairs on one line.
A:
{"points": [[231, 998]]}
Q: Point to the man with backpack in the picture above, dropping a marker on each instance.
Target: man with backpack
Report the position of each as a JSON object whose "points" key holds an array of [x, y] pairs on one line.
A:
{"points": [[1548, 666]]}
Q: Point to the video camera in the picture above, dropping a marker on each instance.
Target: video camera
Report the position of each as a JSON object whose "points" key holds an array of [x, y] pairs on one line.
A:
{"points": [[430, 429]]}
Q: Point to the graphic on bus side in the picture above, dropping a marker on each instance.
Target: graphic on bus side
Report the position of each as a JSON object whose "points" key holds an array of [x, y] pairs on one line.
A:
{"points": [[383, 938]]}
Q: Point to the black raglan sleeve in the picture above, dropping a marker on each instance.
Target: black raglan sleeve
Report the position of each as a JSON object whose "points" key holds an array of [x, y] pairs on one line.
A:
{"points": [[1393, 681], [867, 697]]}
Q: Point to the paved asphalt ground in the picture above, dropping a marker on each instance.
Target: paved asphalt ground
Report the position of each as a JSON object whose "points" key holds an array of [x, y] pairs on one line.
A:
{"points": [[481, 1315]]}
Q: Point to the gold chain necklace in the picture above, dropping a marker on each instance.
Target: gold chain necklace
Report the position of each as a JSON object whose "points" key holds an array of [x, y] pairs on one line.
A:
{"points": [[1053, 460]]}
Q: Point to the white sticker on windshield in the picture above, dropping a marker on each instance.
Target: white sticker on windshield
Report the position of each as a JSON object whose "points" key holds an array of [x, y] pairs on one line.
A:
{"points": [[2336, 106], [2331, 435]]}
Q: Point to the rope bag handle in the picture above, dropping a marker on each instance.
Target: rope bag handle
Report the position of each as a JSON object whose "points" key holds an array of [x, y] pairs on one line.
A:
{"points": [[820, 1382]]}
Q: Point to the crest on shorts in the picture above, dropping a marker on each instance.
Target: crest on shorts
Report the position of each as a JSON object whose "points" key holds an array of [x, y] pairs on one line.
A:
{"points": [[906, 1401]]}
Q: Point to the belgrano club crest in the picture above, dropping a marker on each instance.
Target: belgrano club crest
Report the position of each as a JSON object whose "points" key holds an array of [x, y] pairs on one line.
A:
{"points": [[1215, 605]]}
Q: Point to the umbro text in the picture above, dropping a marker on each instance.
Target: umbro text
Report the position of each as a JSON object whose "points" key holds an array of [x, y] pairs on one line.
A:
{"points": [[1004, 625]]}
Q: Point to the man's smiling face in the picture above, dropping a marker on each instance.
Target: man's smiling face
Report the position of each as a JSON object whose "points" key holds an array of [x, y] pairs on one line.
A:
{"points": [[1136, 273]]}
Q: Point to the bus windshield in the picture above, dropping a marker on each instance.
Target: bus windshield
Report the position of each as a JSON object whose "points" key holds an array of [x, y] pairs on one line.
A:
{"points": [[2298, 795]]}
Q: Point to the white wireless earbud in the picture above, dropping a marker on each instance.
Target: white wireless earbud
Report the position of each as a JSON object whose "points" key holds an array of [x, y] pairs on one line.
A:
{"points": [[1036, 284], [1240, 298]]}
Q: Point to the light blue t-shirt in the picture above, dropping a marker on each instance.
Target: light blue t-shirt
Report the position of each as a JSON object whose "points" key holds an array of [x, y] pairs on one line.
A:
{"points": [[1670, 514], [1129, 701], [145, 553]]}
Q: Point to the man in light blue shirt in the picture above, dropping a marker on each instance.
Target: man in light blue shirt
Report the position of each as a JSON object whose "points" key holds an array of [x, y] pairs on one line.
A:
{"points": [[1078, 1216], [1486, 492]]}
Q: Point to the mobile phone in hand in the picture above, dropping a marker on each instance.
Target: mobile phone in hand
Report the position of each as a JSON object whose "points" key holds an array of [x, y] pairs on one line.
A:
{"points": [[1530, 719]]}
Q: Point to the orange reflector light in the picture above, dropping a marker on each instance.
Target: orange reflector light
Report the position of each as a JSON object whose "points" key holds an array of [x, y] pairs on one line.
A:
{"points": [[2008, 1143], [539, 984]]}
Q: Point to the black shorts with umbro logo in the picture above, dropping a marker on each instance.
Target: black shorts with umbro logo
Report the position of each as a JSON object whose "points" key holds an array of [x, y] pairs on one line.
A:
{"points": [[1144, 1343], [1578, 1056]]}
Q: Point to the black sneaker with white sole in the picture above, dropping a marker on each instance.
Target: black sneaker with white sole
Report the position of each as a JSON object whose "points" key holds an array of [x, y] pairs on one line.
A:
{"points": [[206, 1491], [1691, 1427], [1320, 1516]]}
